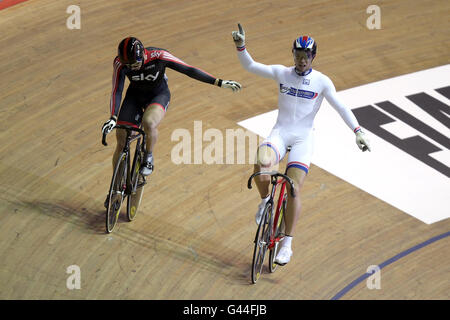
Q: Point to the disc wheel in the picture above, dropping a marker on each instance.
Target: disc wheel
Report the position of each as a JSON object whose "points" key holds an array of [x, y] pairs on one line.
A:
{"points": [[261, 243], [116, 193]]}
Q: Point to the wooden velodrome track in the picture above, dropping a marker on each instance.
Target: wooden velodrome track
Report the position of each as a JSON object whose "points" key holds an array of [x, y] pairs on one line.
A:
{"points": [[193, 238]]}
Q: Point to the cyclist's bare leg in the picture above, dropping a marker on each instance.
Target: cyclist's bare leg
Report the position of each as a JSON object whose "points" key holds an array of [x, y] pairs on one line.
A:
{"points": [[266, 159], [294, 205], [150, 120], [121, 135]]}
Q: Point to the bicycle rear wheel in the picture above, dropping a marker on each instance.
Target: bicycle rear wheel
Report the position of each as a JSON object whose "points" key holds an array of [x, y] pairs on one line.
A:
{"points": [[116, 192], [278, 231], [137, 184], [261, 243]]}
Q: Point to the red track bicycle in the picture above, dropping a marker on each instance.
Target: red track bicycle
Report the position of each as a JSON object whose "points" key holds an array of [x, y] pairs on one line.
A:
{"points": [[271, 227]]}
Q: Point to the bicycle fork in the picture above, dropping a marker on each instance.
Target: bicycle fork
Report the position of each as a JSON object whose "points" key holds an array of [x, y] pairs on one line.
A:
{"points": [[278, 216]]}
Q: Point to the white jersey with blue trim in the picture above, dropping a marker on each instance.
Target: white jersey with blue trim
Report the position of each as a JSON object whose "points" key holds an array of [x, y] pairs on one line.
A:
{"points": [[300, 95]]}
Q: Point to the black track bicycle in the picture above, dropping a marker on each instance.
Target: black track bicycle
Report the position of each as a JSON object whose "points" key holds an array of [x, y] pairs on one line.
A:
{"points": [[127, 181]]}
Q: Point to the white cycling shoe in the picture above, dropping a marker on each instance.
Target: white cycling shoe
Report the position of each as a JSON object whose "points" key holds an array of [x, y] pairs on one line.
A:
{"points": [[147, 166], [283, 256]]}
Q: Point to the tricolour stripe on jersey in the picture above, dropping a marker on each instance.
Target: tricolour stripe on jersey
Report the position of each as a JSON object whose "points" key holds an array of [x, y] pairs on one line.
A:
{"points": [[115, 83], [298, 165]]}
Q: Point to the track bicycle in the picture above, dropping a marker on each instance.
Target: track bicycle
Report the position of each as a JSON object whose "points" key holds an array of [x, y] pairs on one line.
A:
{"points": [[271, 227], [127, 181]]}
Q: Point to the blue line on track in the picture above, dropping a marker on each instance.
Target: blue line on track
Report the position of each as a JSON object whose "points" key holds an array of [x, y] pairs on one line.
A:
{"points": [[354, 283]]}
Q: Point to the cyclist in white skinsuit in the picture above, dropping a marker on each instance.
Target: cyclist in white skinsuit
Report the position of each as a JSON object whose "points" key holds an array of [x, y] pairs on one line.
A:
{"points": [[301, 92]]}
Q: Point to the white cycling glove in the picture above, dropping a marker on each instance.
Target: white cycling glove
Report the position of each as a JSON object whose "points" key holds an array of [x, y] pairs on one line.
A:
{"points": [[362, 141], [239, 36], [230, 84], [109, 125]]}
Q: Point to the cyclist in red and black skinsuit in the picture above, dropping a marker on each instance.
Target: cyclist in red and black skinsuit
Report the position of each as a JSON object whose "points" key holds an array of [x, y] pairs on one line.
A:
{"points": [[148, 96]]}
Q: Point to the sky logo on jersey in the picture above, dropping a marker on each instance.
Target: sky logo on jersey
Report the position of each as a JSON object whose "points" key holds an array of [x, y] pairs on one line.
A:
{"points": [[149, 77], [297, 92], [407, 121]]}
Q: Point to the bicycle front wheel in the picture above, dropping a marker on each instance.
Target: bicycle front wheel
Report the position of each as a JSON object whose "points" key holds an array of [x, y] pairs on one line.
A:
{"points": [[116, 193], [261, 243], [137, 184]]}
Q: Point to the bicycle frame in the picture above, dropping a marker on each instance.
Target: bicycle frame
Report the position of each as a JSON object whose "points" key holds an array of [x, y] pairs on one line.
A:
{"points": [[126, 149], [122, 183], [281, 198], [275, 183]]}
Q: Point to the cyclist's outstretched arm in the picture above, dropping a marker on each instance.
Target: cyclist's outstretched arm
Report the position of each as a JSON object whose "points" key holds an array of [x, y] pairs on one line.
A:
{"points": [[176, 64], [345, 113], [246, 60]]}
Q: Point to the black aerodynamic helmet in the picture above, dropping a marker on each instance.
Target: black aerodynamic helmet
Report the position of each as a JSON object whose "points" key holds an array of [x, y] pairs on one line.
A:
{"points": [[130, 51], [305, 43]]}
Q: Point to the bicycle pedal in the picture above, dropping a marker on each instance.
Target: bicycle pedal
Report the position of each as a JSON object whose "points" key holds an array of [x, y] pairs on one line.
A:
{"points": [[280, 236]]}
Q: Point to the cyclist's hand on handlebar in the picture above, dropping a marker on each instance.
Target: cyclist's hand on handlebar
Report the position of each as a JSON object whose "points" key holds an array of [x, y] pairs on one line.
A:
{"points": [[109, 125], [230, 84]]}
